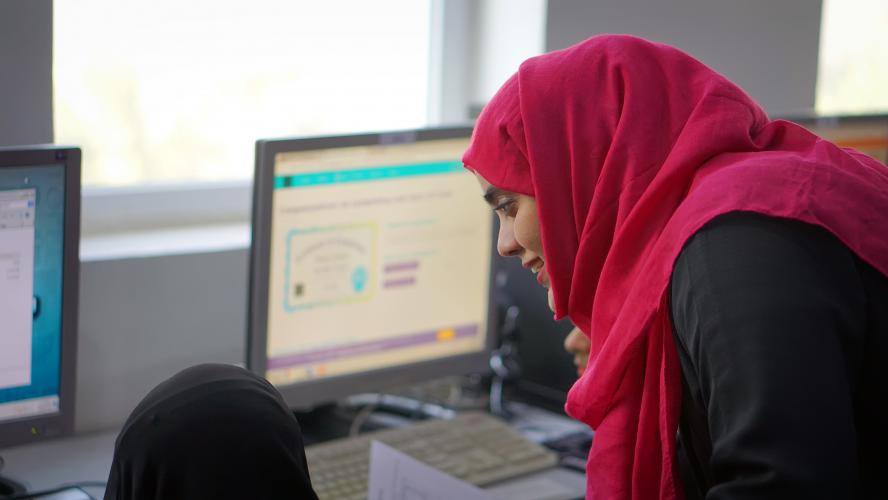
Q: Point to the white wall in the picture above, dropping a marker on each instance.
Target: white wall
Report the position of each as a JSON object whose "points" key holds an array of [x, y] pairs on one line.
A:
{"points": [[767, 47], [143, 319], [25, 72]]}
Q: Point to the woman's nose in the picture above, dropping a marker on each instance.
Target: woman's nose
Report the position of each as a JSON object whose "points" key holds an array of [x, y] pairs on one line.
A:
{"points": [[506, 244]]}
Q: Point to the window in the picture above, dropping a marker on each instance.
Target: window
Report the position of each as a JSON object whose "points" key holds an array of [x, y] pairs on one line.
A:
{"points": [[172, 91], [853, 74]]}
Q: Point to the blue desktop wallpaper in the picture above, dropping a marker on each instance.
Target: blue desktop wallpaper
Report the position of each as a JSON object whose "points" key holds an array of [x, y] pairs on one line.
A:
{"points": [[49, 181]]}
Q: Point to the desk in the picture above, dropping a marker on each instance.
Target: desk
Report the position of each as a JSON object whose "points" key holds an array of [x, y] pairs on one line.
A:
{"points": [[70, 460], [88, 458]]}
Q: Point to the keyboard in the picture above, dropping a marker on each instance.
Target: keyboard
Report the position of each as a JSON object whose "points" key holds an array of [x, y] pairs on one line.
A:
{"points": [[473, 446]]}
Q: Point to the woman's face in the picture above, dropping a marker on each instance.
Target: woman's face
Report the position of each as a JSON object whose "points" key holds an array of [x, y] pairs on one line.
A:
{"points": [[519, 231]]}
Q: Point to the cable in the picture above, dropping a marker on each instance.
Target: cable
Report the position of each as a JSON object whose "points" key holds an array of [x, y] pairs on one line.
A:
{"points": [[58, 489], [361, 418], [83, 490]]}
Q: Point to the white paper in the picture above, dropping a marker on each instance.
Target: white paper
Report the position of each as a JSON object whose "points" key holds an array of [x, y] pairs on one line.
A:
{"points": [[550, 484], [396, 476]]}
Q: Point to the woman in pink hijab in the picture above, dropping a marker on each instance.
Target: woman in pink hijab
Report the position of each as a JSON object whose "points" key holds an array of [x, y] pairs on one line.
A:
{"points": [[729, 271]]}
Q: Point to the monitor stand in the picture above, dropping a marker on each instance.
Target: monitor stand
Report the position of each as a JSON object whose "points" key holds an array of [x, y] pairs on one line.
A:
{"points": [[414, 408], [8, 487]]}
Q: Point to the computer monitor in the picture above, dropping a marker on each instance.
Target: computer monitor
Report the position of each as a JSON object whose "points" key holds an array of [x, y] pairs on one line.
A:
{"points": [[39, 234], [865, 133], [371, 264]]}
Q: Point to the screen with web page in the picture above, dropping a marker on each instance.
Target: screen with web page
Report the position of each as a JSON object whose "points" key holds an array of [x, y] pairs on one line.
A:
{"points": [[31, 244], [380, 257]]}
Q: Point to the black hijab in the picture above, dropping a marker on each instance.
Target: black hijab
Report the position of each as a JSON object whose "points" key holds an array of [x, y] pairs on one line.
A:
{"points": [[210, 431]]}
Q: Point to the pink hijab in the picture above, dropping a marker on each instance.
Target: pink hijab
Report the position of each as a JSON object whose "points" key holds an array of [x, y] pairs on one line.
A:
{"points": [[630, 147]]}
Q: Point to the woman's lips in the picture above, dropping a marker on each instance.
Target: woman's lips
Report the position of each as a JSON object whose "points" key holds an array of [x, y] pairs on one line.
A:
{"points": [[543, 277]]}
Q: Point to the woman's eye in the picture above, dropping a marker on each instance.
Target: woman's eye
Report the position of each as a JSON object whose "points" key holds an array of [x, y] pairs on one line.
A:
{"points": [[504, 207]]}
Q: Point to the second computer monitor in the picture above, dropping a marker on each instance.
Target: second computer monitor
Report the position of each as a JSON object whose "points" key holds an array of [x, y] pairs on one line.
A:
{"points": [[371, 263], [39, 235]]}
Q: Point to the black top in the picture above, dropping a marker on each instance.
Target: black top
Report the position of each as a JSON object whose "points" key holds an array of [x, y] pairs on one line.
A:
{"points": [[782, 335]]}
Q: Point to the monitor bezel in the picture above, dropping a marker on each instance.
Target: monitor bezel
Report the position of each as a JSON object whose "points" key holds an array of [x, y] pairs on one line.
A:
{"points": [[309, 394], [41, 427]]}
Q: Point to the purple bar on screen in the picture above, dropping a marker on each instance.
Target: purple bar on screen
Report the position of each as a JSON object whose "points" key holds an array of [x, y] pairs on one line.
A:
{"points": [[415, 339], [401, 266], [399, 282]]}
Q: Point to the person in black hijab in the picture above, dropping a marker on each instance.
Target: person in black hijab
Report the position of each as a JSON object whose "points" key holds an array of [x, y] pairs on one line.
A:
{"points": [[210, 431]]}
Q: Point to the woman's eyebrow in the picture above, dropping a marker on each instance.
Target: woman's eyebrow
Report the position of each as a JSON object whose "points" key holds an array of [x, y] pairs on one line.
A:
{"points": [[492, 194]]}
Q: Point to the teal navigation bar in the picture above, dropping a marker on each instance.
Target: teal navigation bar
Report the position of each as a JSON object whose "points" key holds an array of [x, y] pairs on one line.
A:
{"points": [[365, 174]]}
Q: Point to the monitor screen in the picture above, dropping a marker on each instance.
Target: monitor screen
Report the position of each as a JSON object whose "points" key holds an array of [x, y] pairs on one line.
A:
{"points": [[378, 261], [34, 294]]}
